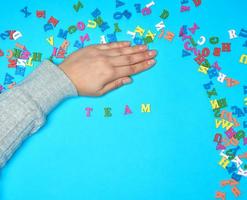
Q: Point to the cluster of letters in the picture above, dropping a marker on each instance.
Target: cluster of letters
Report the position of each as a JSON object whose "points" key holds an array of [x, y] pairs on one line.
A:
{"points": [[230, 137], [19, 58]]}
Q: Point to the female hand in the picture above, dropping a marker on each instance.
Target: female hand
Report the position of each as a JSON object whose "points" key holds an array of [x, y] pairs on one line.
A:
{"points": [[98, 69]]}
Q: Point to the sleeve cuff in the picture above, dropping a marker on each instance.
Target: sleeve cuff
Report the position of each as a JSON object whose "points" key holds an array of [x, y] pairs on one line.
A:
{"points": [[48, 85]]}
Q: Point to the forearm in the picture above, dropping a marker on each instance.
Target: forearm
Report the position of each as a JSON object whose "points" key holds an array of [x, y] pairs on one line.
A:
{"points": [[24, 108]]}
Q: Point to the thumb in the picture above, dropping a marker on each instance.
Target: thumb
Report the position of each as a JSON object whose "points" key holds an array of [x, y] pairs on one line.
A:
{"points": [[115, 84]]}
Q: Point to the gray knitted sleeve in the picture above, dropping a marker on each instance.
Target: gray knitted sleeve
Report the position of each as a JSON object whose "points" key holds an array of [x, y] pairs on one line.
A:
{"points": [[23, 109]]}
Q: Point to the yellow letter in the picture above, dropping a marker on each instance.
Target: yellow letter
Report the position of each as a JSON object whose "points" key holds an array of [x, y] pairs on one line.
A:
{"points": [[145, 108], [243, 59]]}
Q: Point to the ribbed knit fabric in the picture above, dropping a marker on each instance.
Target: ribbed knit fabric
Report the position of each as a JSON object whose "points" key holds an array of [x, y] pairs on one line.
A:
{"points": [[23, 109]]}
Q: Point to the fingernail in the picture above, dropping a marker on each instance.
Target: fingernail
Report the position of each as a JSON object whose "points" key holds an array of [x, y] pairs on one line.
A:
{"points": [[151, 62], [126, 81], [152, 53]]}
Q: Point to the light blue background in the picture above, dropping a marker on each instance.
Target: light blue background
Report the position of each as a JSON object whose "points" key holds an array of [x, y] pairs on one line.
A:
{"points": [[167, 154]]}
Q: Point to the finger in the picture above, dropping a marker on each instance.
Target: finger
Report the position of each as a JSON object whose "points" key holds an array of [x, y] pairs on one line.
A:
{"points": [[131, 59], [125, 50], [115, 84], [113, 45], [134, 69]]}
